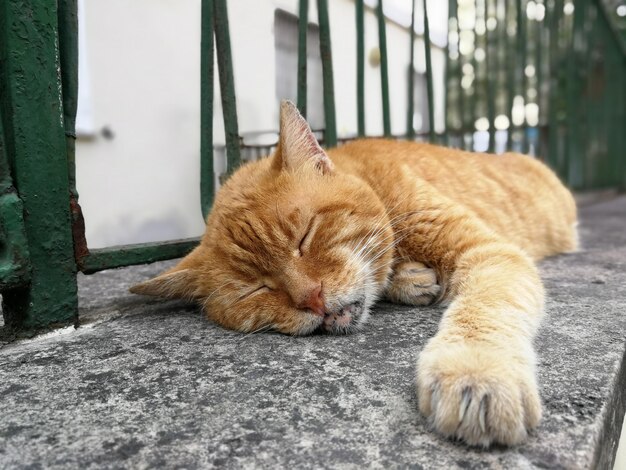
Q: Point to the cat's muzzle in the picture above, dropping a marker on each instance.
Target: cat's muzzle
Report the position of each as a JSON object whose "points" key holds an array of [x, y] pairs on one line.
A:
{"points": [[344, 320]]}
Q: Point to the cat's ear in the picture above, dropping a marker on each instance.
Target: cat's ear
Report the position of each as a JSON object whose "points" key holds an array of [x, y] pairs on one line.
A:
{"points": [[180, 282], [298, 146]]}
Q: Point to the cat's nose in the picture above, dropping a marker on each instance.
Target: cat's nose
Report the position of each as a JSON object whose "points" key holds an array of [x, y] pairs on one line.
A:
{"points": [[314, 301]]}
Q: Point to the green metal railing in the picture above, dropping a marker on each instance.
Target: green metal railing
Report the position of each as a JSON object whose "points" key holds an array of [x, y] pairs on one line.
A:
{"points": [[575, 83]]}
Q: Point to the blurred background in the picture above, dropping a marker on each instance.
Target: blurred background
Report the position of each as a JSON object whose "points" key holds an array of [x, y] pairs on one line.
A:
{"points": [[139, 97], [138, 120]]}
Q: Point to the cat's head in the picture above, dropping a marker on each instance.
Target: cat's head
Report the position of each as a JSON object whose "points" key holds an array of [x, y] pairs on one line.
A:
{"points": [[291, 244]]}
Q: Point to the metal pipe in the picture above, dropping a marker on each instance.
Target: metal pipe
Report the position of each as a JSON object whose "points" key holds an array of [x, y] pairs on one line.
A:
{"points": [[303, 19], [227, 85], [429, 77], [410, 129], [207, 178], [360, 68], [330, 134], [384, 74]]}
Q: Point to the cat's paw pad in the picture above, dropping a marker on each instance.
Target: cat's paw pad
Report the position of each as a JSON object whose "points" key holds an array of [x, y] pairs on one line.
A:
{"points": [[481, 396], [413, 283]]}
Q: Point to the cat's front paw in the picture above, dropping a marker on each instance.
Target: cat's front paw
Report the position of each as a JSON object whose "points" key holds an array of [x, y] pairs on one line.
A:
{"points": [[413, 283], [480, 394]]}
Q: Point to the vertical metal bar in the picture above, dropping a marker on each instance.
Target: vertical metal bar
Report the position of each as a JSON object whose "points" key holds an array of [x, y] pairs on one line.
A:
{"points": [[384, 75], [360, 68], [521, 62], [227, 85], [446, 81], [207, 57], [303, 21], [491, 82], [605, 125], [501, 52], [429, 77], [572, 142], [30, 93], [410, 129], [330, 134], [539, 65], [609, 102], [459, 70], [616, 149], [592, 161], [619, 116], [554, 20], [68, 51], [510, 69], [615, 94], [68, 54], [474, 102]]}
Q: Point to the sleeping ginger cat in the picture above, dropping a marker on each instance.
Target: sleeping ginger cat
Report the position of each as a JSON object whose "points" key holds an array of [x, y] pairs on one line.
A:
{"points": [[308, 240]]}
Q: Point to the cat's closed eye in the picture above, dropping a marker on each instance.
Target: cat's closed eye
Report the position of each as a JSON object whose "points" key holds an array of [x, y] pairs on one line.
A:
{"points": [[305, 241], [261, 289]]}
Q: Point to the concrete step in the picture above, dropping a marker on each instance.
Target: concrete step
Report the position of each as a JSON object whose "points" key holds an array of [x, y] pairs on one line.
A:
{"points": [[145, 383]]}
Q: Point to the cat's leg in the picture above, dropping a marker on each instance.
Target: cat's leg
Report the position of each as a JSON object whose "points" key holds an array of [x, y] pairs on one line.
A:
{"points": [[413, 283], [476, 376]]}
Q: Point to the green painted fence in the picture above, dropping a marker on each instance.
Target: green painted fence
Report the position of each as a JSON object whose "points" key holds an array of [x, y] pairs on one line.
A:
{"points": [[563, 60]]}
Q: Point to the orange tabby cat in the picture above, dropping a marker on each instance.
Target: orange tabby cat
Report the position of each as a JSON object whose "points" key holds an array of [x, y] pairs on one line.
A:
{"points": [[308, 239]]}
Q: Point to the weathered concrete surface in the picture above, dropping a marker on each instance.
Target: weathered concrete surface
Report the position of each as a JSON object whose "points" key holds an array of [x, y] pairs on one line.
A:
{"points": [[153, 384]]}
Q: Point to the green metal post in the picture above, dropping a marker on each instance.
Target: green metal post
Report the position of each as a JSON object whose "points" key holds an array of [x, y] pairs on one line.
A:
{"points": [[384, 75], [31, 95], [303, 20], [539, 62], [360, 68], [227, 85], [330, 134], [207, 177], [410, 129], [429, 77]]}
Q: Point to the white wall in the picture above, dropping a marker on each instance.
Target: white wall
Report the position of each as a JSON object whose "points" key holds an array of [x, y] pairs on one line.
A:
{"points": [[143, 64], [143, 77]]}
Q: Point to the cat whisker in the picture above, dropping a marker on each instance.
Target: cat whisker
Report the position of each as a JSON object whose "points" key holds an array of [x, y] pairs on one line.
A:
{"points": [[378, 227], [394, 222], [360, 256]]}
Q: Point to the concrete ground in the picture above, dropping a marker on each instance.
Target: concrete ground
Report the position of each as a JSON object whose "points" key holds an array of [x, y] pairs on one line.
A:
{"points": [[152, 384]]}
